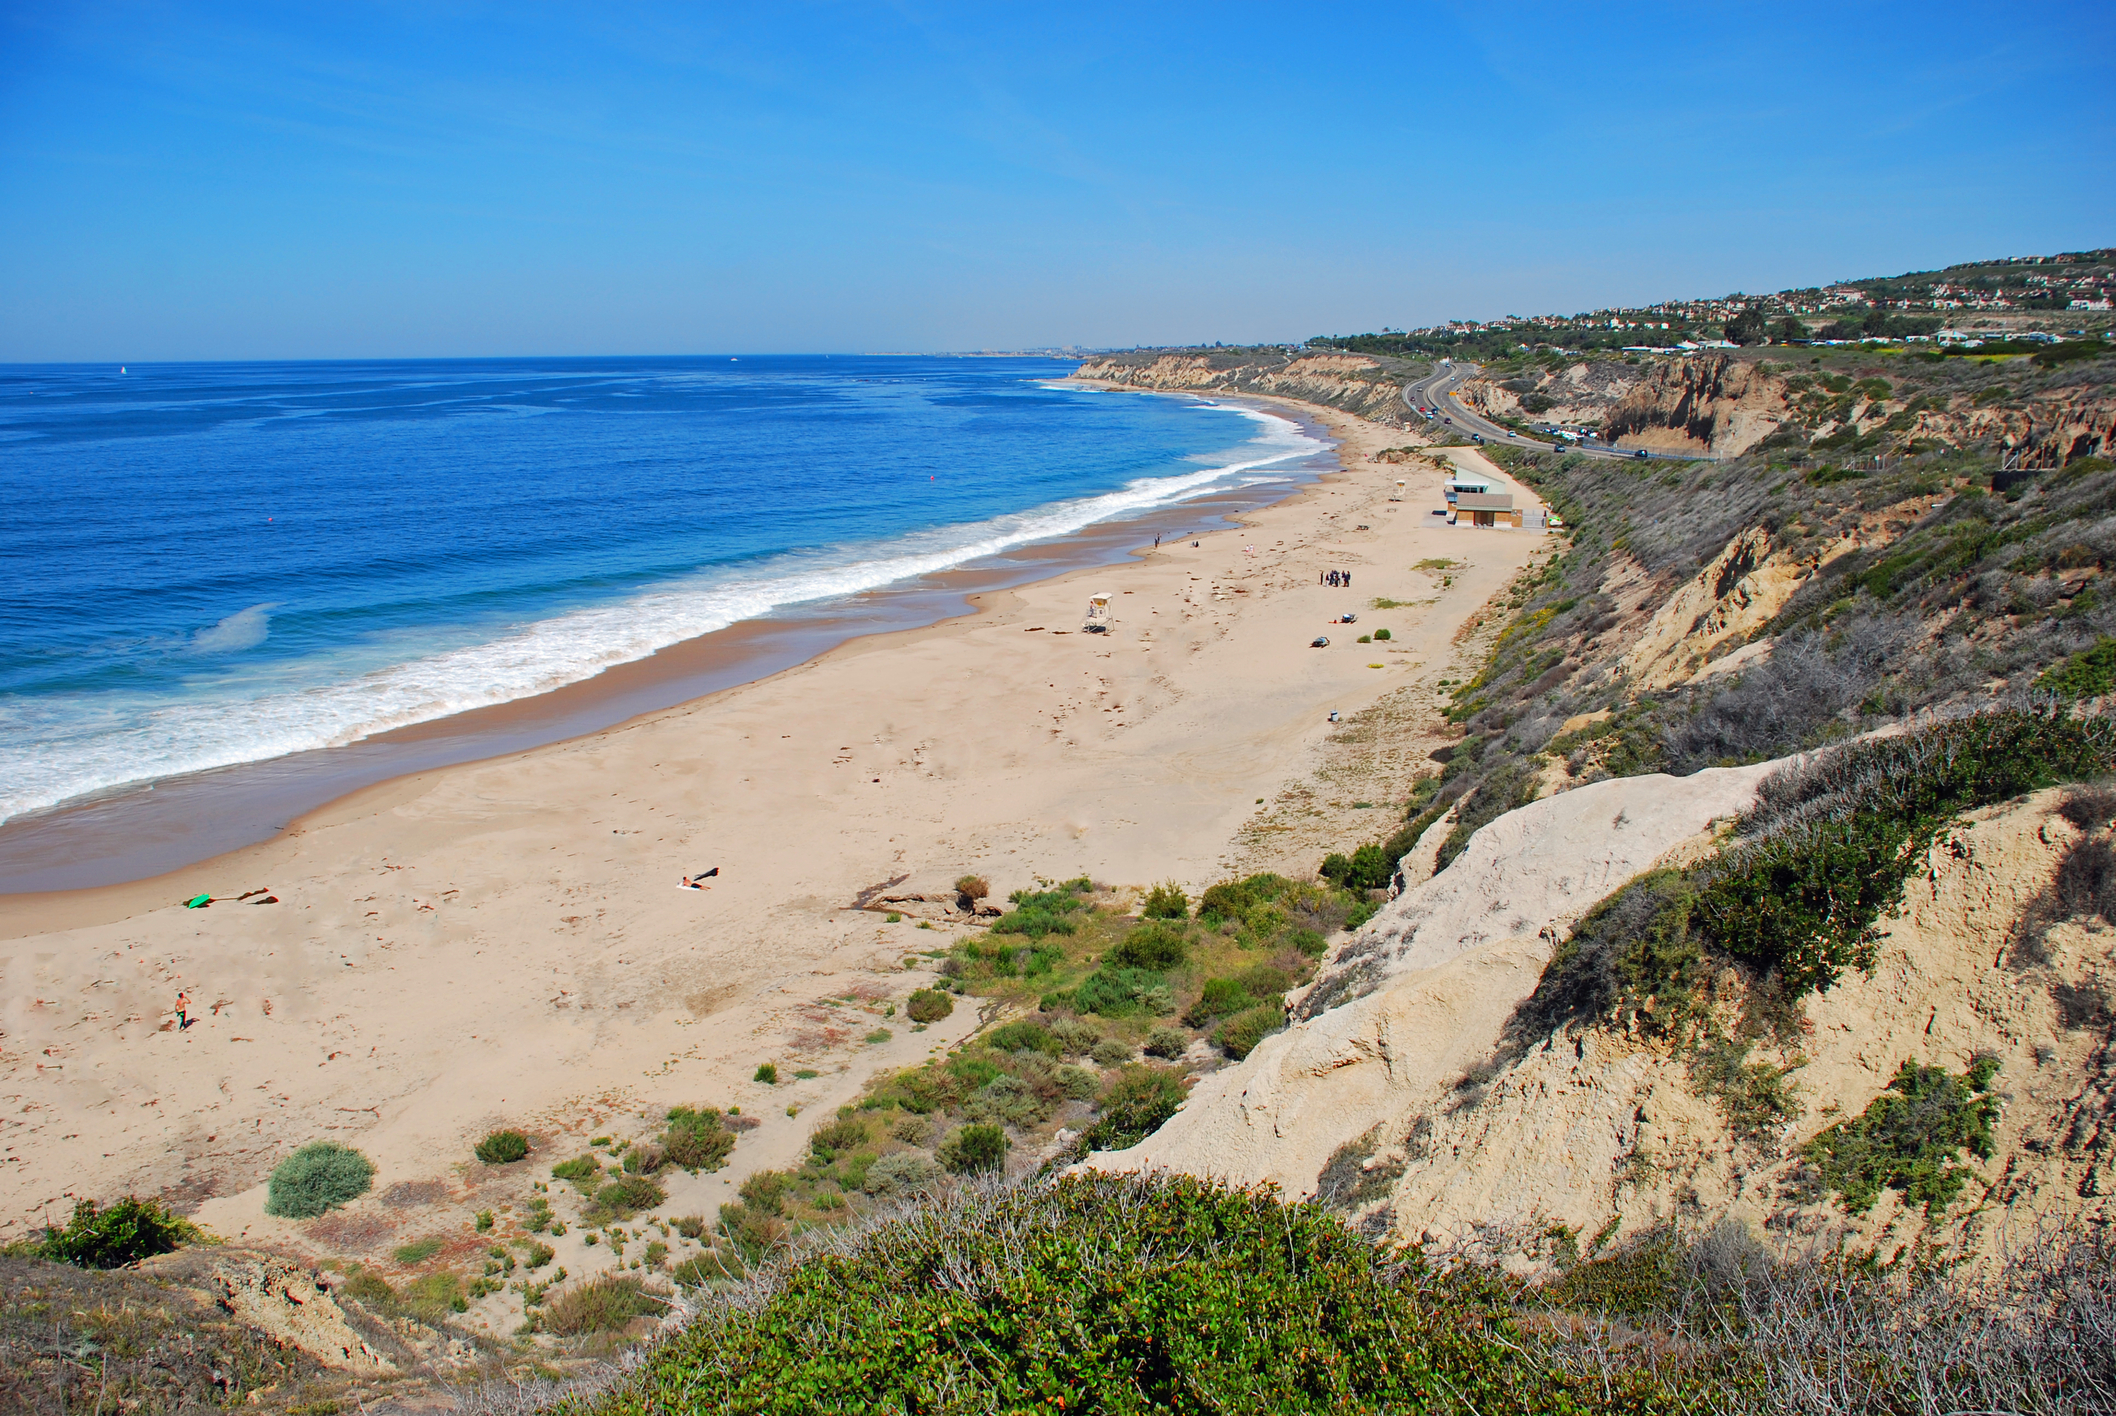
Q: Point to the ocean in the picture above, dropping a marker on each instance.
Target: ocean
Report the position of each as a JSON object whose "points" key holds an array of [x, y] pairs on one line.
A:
{"points": [[217, 564]]}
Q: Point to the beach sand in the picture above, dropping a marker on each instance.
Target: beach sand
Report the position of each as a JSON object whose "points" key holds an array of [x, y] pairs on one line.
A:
{"points": [[505, 942]]}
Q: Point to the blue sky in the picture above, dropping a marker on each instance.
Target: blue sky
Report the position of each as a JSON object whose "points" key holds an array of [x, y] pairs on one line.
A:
{"points": [[188, 181]]}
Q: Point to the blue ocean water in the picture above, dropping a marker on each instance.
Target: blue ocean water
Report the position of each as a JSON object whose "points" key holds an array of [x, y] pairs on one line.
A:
{"points": [[215, 564]]}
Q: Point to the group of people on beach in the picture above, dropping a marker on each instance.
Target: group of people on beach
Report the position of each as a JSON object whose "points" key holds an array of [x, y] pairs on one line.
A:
{"points": [[1335, 578]]}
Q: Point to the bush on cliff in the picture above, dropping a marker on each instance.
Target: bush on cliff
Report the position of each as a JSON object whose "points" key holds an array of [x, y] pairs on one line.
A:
{"points": [[1108, 1293], [128, 1231]]}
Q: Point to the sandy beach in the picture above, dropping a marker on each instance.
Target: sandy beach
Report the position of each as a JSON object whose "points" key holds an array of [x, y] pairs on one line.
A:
{"points": [[505, 943]]}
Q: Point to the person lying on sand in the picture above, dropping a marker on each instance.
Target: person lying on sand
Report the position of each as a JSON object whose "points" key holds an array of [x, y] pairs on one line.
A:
{"points": [[695, 882]]}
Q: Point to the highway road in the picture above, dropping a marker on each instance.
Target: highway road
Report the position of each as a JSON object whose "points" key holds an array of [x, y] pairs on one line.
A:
{"points": [[1437, 392]]}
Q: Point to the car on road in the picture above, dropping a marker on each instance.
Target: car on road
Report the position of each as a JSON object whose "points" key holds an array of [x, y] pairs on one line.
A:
{"points": [[1640, 454], [1447, 420]]}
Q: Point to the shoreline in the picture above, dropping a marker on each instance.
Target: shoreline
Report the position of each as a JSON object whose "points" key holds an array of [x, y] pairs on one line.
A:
{"points": [[156, 830], [503, 943]]}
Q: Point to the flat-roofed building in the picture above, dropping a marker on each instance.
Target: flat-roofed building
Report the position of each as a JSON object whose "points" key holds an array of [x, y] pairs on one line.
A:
{"points": [[1484, 508]]}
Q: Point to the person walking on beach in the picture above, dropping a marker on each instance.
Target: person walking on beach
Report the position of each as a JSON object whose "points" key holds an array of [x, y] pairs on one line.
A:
{"points": [[183, 1010]]}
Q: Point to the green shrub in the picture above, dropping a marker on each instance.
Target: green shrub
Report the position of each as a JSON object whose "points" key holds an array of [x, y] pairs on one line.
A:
{"points": [[537, 1255], [1137, 1101], [839, 1135], [1166, 901], [765, 1191], [607, 1304], [900, 1173], [1220, 998], [418, 1251], [1154, 947], [690, 1226], [365, 1286], [1907, 1138], [1034, 924], [2088, 674], [712, 1266], [319, 1177], [1234, 899], [433, 1297], [1009, 1099], [1118, 992], [1121, 1294], [697, 1139], [1833, 843], [1078, 1083], [879, 1036], [628, 1194], [583, 1171], [1368, 868], [1074, 1036], [767, 1074], [1170, 1043], [503, 1147], [929, 1005], [130, 1230], [973, 1149], [1381, 635], [1238, 1036], [1023, 1035], [1111, 1053]]}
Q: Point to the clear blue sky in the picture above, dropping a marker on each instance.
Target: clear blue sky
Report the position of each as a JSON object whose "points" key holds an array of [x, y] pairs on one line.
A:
{"points": [[186, 181]]}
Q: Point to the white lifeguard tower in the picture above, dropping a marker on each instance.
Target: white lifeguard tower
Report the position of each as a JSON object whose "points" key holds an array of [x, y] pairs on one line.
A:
{"points": [[1397, 495], [1098, 614]]}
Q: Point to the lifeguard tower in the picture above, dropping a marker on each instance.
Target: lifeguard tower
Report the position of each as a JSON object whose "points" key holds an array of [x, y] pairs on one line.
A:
{"points": [[1098, 614], [1397, 495]]}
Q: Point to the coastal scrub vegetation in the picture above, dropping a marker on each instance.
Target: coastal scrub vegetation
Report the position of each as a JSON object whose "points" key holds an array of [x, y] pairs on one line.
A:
{"points": [[1060, 1071], [111, 1237], [503, 1148], [1908, 1137], [1714, 959], [697, 1139], [1939, 573], [319, 1177], [1131, 1293]]}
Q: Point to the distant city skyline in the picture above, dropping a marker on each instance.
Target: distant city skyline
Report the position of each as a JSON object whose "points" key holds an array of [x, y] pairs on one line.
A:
{"points": [[188, 181]]}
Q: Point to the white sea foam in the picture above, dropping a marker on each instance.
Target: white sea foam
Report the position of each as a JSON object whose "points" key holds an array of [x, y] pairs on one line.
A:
{"points": [[245, 629], [111, 744]]}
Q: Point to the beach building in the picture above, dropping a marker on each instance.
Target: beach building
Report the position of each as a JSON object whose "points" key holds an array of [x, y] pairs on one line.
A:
{"points": [[1485, 509]]}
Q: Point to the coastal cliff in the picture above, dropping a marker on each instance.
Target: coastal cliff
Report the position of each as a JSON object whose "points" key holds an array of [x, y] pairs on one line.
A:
{"points": [[1351, 382], [1727, 404]]}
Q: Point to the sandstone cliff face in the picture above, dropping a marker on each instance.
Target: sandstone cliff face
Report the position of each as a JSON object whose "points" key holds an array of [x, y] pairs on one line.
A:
{"points": [[1348, 381], [1603, 1134], [1723, 405], [1399, 1011], [1705, 403], [2047, 432], [1595, 1128], [1740, 592]]}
